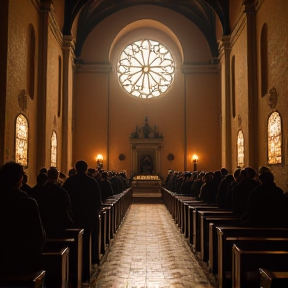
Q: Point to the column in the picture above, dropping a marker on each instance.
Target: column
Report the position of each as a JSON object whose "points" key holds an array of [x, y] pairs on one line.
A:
{"points": [[250, 11], [225, 52], [67, 103], [45, 8]]}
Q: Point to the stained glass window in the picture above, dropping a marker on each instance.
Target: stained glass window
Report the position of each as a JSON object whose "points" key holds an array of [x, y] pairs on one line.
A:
{"points": [[146, 69], [54, 149], [240, 149], [21, 137], [274, 138]]}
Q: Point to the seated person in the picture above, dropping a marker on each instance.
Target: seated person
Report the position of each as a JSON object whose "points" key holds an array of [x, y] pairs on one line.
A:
{"points": [[22, 236], [54, 206], [266, 204]]}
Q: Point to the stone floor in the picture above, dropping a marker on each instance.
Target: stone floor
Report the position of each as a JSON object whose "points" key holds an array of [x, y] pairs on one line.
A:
{"points": [[150, 252]]}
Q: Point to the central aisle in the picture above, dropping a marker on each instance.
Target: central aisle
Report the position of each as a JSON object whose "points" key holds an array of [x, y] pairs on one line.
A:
{"points": [[150, 252]]}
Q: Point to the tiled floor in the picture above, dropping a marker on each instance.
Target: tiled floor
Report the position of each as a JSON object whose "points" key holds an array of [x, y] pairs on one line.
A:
{"points": [[150, 252]]}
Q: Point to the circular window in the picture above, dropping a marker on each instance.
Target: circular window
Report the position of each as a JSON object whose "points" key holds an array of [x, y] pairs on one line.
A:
{"points": [[146, 69]]}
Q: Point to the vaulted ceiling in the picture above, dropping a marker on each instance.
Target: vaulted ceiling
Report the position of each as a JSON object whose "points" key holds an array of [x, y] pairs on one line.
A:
{"points": [[201, 12]]}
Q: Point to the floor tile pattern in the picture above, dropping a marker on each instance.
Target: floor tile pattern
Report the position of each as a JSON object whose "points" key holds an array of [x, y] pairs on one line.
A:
{"points": [[150, 252]]}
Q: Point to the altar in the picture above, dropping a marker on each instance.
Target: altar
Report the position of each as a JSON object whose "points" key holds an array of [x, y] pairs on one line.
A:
{"points": [[146, 186]]}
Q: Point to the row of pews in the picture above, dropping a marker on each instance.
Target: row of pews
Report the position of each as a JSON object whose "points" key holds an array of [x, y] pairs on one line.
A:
{"points": [[63, 260], [237, 256]]}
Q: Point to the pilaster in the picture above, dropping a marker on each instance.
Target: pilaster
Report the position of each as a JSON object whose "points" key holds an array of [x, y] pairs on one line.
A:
{"points": [[249, 7], [45, 8], [225, 58], [67, 103]]}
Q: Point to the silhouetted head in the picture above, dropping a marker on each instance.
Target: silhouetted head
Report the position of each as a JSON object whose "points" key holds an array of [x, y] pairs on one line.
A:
{"points": [[53, 174], [223, 171], [41, 178], [263, 169], [11, 174], [43, 170], [81, 167], [266, 177], [251, 173], [71, 172]]}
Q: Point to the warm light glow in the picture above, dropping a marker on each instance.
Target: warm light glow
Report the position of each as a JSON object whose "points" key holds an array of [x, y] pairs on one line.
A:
{"points": [[194, 158], [146, 69], [99, 157]]}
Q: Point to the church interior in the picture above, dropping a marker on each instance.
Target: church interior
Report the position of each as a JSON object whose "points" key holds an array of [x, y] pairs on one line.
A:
{"points": [[225, 100], [145, 87]]}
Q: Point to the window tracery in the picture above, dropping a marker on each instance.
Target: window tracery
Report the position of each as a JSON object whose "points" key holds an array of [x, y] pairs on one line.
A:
{"points": [[146, 69], [21, 139], [274, 138], [240, 149]]}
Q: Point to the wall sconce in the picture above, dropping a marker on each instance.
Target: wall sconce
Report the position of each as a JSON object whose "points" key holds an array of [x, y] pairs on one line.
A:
{"points": [[194, 160], [99, 160]]}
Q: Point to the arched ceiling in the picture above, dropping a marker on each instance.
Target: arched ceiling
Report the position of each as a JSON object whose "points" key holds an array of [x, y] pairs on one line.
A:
{"points": [[200, 12]]}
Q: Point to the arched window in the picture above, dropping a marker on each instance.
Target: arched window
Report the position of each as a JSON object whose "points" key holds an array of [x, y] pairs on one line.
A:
{"points": [[21, 140], [274, 138], [264, 60], [30, 74], [53, 149], [240, 149], [146, 69]]}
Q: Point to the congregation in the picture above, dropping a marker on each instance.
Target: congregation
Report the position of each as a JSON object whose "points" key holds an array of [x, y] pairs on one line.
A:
{"points": [[247, 193], [31, 215]]}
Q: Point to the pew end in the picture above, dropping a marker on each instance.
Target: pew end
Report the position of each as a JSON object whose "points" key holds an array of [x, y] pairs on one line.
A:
{"points": [[32, 280], [273, 279]]}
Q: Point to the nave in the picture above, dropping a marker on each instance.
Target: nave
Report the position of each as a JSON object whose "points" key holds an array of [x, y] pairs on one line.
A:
{"points": [[150, 252]]}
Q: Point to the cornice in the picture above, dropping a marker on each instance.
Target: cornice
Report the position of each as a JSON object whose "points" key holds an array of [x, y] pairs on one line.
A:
{"points": [[237, 31], [54, 26]]}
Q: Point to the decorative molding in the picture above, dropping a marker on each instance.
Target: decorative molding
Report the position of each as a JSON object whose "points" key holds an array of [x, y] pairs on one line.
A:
{"points": [[200, 69], [237, 31], [22, 99], [170, 157], [54, 26], [122, 157]]}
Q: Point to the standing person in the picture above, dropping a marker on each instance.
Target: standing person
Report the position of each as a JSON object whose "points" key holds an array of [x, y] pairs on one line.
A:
{"points": [[54, 206], [105, 186], [22, 236], [86, 202]]}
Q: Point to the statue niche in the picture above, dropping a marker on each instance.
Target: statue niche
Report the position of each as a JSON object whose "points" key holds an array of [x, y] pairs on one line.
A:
{"points": [[146, 165]]}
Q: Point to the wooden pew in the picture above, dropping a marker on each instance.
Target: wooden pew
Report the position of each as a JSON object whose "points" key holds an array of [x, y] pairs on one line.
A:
{"points": [[204, 236], [273, 279], [213, 243], [27, 280], [227, 236], [197, 213], [73, 239], [56, 265], [190, 221], [248, 257]]}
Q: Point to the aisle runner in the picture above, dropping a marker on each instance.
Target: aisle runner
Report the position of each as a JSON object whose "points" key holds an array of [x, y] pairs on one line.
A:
{"points": [[149, 252]]}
